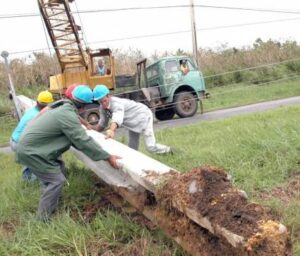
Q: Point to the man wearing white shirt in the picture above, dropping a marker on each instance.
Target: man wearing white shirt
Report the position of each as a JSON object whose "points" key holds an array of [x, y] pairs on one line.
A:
{"points": [[134, 116]]}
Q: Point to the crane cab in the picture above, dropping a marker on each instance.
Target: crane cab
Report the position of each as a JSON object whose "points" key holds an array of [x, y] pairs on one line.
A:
{"points": [[91, 75]]}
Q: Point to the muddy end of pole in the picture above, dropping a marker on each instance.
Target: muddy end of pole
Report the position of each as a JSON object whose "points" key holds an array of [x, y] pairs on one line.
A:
{"points": [[206, 196]]}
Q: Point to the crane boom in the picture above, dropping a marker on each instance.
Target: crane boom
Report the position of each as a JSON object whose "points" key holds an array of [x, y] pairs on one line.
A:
{"points": [[64, 33]]}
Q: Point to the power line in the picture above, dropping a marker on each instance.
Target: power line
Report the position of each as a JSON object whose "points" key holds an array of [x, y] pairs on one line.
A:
{"points": [[26, 15], [167, 33], [18, 15], [248, 24], [290, 77], [198, 5], [188, 31], [248, 9], [255, 67]]}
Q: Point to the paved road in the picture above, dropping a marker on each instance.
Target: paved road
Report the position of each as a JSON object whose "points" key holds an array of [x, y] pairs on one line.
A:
{"points": [[224, 113], [215, 115]]}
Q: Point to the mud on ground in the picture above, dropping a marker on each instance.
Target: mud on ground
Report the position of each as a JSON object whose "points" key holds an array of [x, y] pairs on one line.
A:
{"points": [[7, 230], [285, 193], [208, 190]]}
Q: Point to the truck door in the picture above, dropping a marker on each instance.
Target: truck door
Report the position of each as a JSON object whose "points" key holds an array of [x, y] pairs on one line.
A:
{"points": [[192, 76]]}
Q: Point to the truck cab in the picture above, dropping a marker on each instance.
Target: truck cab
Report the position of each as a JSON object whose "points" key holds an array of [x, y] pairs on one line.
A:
{"points": [[172, 85]]}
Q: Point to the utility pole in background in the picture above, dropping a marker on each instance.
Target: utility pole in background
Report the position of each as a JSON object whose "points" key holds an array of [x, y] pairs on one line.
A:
{"points": [[194, 34], [11, 86]]}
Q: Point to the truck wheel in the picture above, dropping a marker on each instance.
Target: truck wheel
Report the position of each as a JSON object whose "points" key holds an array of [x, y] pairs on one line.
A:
{"points": [[91, 115], [185, 104], [164, 114]]}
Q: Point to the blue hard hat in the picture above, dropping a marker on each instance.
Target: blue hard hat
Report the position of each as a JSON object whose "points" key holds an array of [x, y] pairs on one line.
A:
{"points": [[100, 91], [83, 93]]}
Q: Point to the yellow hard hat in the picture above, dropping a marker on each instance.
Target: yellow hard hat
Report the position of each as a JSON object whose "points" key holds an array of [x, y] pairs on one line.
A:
{"points": [[45, 97]]}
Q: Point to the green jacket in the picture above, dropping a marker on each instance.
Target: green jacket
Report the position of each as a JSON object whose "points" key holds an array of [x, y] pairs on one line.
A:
{"points": [[51, 134]]}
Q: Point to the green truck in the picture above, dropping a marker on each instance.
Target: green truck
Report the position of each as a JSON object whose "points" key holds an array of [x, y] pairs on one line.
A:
{"points": [[168, 88]]}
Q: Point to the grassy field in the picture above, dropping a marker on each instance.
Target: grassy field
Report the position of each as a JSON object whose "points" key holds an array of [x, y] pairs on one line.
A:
{"points": [[261, 152], [238, 95]]}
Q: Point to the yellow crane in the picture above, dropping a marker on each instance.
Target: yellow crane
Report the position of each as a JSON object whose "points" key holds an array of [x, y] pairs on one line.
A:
{"points": [[78, 65]]}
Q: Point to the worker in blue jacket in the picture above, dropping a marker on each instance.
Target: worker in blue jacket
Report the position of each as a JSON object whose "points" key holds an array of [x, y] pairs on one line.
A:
{"points": [[44, 98]]}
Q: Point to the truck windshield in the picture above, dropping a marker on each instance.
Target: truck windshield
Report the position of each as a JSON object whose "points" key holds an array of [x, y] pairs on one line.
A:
{"points": [[171, 66]]}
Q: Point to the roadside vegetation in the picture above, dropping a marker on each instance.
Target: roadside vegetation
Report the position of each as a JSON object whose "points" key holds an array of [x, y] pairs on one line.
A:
{"points": [[261, 152]]}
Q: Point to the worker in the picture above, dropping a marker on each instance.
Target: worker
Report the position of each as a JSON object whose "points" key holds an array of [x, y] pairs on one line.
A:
{"points": [[69, 91], [134, 116], [50, 135], [101, 69], [43, 99], [68, 95], [184, 67]]}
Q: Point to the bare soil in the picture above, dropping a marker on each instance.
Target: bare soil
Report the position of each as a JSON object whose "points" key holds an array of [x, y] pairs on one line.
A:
{"points": [[7, 230], [285, 193], [198, 241], [208, 190]]}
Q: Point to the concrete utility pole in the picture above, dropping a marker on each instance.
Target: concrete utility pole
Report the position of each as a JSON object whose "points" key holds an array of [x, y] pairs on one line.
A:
{"points": [[194, 34], [11, 86]]}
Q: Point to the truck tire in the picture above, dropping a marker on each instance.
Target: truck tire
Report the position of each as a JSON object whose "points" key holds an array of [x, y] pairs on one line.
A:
{"points": [[91, 113], [92, 116], [164, 114], [185, 104]]}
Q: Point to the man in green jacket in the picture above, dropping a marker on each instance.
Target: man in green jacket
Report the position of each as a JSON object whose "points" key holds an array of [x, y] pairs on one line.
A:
{"points": [[51, 134]]}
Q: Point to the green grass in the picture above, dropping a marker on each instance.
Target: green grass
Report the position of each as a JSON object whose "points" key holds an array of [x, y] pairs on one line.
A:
{"points": [[69, 233], [7, 122], [7, 125], [6, 105], [238, 95], [260, 151]]}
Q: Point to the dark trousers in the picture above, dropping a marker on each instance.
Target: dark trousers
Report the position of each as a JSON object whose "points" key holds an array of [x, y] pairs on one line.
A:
{"points": [[52, 185]]}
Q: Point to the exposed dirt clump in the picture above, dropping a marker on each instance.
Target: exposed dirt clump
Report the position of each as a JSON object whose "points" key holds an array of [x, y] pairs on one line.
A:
{"points": [[268, 241], [195, 239], [208, 191], [285, 193], [7, 230]]}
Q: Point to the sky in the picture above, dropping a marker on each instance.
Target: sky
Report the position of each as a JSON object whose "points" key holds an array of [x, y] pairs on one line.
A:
{"points": [[105, 29]]}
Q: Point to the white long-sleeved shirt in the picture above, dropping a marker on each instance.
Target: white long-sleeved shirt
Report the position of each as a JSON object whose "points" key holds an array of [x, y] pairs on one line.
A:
{"points": [[127, 113]]}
